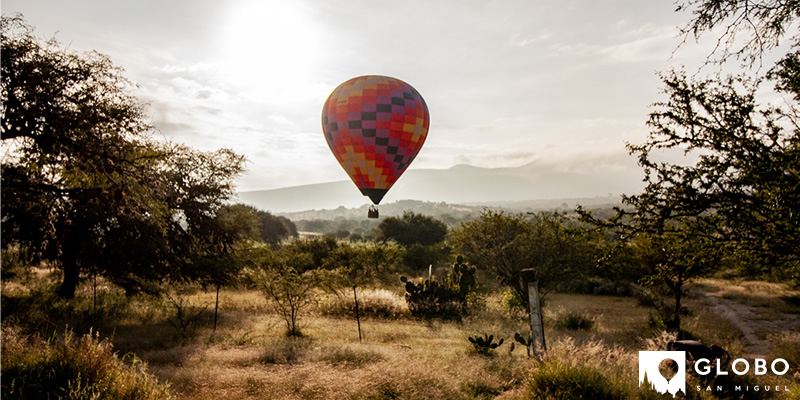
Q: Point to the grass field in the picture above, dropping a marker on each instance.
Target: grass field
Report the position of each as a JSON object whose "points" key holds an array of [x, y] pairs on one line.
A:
{"points": [[250, 357]]}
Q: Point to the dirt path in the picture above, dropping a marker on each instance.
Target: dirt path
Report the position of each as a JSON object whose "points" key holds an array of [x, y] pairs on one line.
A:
{"points": [[755, 321]]}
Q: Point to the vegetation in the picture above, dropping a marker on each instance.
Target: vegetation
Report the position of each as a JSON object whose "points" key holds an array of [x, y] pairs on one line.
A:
{"points": [[504, 245], [72, 368], [288, 289], [732, 198], [484, 345], [105, 228], [441, 298], [87, 188]]}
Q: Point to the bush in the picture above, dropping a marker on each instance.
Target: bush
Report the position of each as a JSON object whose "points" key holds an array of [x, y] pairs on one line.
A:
{"points": [[574, 322], [443, 298], [787, 347], [288, 350], [377, 303], [555, 380], [65, 367]]}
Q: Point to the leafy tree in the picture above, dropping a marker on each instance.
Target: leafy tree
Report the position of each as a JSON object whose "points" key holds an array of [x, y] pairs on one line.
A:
{"points": [[282, 278], [412, 229], [319, 249], [745, 186], [222, 246], [275, 228], [736, 190], [740, 176], [381, 257], [421, 236], [674, 259], [84, 184], [505, 244]]}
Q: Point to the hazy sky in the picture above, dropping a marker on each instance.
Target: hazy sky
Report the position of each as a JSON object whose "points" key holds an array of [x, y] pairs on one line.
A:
{"points": [[506, 82]]}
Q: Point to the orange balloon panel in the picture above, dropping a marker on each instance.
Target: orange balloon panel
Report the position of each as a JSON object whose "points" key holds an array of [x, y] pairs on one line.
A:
{"points": [[375, 126]]}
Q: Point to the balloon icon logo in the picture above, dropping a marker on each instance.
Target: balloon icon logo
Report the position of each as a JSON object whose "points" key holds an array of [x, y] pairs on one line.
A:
{"points": [[375, 127]]}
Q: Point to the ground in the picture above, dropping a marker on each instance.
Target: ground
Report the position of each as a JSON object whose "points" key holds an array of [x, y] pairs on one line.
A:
{"points": [[249, 356]]}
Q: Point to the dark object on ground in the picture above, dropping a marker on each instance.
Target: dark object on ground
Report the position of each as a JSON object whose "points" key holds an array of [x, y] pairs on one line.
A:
{"points": [[697, 350]]}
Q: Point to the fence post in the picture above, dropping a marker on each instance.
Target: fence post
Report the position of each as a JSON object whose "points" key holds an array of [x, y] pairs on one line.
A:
{"points": [[528, 277]]}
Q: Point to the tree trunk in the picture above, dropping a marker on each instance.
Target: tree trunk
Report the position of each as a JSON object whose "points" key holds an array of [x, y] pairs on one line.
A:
{"points": [[677, 318], [71, 277], [358, 319]]}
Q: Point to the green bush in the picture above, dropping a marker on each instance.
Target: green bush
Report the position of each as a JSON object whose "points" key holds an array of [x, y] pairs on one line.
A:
{"points": [[72, 368], [554, 380]]}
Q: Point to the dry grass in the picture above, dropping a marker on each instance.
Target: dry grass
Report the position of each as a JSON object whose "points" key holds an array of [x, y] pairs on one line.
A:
{"points": [[770, 296], [249, 357]]}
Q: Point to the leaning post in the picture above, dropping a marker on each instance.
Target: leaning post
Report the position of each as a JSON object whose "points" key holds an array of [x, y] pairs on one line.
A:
{"points": [[528, 277]]}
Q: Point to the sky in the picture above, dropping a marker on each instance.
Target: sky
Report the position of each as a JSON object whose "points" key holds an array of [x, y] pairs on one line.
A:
{"points": [[563, 83]]}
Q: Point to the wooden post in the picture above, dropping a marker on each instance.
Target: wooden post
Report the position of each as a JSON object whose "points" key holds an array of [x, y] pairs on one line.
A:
{"points": [[216, 308], [358, 320], [528, 277]]}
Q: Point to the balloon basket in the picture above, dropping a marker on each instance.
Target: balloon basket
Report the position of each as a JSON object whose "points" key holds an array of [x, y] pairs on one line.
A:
{"points": [[373, 212]]}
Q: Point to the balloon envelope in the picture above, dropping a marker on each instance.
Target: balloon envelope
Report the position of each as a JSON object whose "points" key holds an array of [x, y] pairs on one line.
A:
{"points": [[375, 126]]}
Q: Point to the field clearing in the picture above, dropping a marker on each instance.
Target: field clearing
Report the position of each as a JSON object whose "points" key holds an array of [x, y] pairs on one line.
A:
{"points": [[250, 357]]}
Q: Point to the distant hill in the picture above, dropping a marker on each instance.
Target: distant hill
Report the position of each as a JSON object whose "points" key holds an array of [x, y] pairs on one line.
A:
{"points": [[461, 184], [453, 213]]}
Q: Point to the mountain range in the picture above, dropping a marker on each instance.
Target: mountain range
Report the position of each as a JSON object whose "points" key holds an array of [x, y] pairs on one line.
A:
{"points": [[460, 184]]}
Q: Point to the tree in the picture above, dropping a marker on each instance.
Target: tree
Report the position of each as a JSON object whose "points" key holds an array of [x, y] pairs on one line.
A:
{"points": [[221, 246], [763, 23], [412, 229], [505, 244], [287, 287], [745, 186], [421, 236], [674, 259], [736, 191], [740, 178], [84, 184], [274, 228]]}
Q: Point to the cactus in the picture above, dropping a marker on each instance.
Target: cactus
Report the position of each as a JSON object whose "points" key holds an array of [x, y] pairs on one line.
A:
{"points": [[483, 345], [444, 298], [525, 342]]}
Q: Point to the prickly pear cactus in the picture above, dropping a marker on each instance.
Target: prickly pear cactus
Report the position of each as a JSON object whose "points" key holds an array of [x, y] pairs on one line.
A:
{"points": [[525, 342], [484, 345], [444, 298]]}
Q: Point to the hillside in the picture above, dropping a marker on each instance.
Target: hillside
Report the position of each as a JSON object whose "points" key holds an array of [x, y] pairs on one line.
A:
{"points": [[461, 184]]}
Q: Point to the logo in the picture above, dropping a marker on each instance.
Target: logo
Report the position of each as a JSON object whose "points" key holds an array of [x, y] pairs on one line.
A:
{"points": [[649, 361]]}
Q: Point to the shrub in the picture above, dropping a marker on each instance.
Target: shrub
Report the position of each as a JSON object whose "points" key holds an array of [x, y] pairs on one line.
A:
{"points": [[574, 322], [444, 298], [287, 290], [512, 303], [289, 350], [555, 380], [787, 347], [484, 345], [377, 303], [66, 367]]}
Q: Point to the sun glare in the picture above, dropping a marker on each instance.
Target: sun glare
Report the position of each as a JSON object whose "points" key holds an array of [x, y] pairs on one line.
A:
{"points": [[271, 49]]}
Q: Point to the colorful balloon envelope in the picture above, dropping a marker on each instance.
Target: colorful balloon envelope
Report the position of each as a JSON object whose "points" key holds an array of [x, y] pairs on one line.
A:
{"points": [[375, 126]]}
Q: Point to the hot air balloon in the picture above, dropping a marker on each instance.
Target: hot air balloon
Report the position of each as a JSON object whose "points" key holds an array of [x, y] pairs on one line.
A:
{"points": [[375, 126]]}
